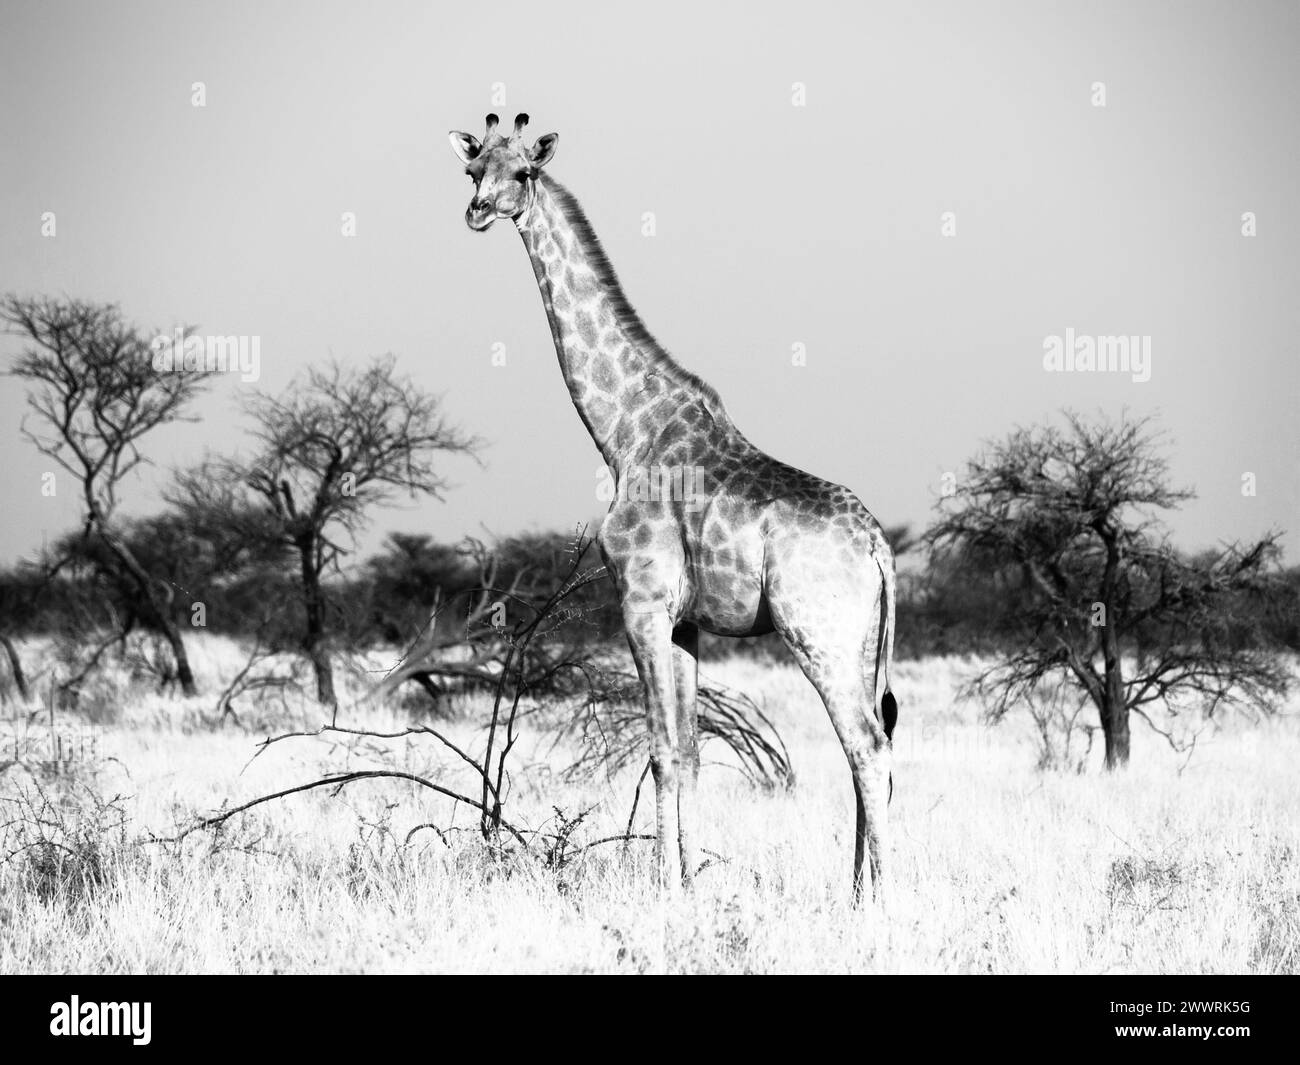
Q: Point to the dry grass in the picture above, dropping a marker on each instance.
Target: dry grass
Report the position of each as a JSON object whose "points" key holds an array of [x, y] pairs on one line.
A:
{"points": [[998, 866]]}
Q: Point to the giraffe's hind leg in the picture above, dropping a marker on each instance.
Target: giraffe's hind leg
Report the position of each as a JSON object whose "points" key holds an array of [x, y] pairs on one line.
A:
{"points": [[848, 702], [833, 635]]}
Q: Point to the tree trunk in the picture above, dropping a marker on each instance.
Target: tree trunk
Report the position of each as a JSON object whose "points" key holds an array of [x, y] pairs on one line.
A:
{"points": [[313, 643], [15, 666], [1114, 726], [159, 607], [183, 672], [1114, 710]]}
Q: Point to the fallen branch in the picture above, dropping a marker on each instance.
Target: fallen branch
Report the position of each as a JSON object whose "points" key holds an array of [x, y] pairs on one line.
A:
{"points": [[337, 781], [412, 730]]}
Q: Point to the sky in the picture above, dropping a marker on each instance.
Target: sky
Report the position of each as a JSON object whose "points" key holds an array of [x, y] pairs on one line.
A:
{"points": [[918, 195]]}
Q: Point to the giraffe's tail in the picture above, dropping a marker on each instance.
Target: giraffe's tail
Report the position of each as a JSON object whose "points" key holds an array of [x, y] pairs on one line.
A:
{"points": [[885, 655], [885, 648]]}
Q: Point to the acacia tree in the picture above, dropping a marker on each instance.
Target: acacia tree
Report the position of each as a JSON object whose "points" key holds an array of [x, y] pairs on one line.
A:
{"points": [[95, 394], [331, 446], [1067, 520]]}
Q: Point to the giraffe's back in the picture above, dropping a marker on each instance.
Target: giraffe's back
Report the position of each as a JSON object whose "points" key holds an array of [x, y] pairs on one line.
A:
{"points": [[766, 522]]}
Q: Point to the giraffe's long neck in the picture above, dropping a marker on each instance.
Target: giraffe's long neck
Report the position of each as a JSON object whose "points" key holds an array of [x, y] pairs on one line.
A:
{"points": [[615, 371]]}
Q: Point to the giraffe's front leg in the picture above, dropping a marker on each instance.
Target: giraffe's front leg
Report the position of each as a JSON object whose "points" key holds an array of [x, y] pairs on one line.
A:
{"points": [[649, 633]]}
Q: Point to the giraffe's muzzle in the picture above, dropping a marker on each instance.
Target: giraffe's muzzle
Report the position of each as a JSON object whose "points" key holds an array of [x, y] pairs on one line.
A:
{"points": [[480, 214]]}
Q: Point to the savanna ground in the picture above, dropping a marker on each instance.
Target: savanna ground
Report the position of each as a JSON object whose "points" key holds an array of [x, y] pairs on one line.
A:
{"points": [[1182, 864]]}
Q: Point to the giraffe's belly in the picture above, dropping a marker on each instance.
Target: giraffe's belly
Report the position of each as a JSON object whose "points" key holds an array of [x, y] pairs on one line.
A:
{"points": [[729, 618], [728, 600]]}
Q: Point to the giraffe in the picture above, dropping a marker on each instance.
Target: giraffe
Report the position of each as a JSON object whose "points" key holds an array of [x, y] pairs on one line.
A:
{"points": [[740, 544]]}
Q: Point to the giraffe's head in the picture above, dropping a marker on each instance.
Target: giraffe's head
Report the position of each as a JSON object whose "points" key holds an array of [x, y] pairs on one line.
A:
{"points": [[503, 170]]}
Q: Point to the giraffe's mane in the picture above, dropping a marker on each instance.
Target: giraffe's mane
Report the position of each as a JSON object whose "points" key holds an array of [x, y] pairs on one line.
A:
{"points": [[624, 312]]}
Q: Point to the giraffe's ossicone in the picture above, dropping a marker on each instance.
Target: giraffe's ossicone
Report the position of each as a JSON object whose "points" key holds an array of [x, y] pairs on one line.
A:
{"points": [[704, 530]]}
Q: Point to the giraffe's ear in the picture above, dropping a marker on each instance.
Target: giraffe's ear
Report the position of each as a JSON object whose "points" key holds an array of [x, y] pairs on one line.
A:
{"points": [[544, 149], [465, 146]]}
